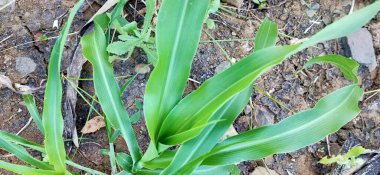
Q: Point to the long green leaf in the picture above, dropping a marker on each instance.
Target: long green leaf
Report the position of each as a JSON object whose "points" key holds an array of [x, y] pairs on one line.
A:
{"points": [[116, 12], [21, 141], [24, 170], [107, 89], [208, 138], [203, 170], [344, 26], [23, 155], [197, 108], [52, 114], [212, 170], [150, 8], [347, 66], [178, 33], [32, 108], [266, 35], [294, 132], [201, 104]]}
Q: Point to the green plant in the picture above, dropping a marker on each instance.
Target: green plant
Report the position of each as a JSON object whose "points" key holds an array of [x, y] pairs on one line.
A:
{"points": [[260, 3], [350, 158], [193, 124]]}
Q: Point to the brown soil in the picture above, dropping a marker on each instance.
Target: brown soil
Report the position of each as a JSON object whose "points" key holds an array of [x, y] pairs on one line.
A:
{"points": [[297, 92]]}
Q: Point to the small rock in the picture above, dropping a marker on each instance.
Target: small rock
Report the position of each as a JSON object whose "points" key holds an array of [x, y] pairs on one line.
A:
{"points": [[284, 17], [263, 171], [327, 20], [314, 7], [247, 109], [222, 66], [264, 116], [377, 133], [236, 3], [361, 48], [230, 132], [142, 68], [25, 65]]}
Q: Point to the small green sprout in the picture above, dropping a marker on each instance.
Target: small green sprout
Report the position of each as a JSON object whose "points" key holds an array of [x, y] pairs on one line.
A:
{"points": [[350, 158]]}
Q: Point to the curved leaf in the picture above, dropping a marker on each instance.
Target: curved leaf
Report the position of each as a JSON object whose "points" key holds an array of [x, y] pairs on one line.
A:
{"points": [[23, 155], [178, 33], [297, 131], [107, 89], [24, 170], [347, 66], [21, 141], [52, 113], [344, 26], [32, 108], [266, 35], [197, 108], [208, 138], [150, 8]]}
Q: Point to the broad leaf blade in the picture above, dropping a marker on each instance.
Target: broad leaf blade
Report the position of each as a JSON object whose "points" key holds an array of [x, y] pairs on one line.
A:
{"points": [[212, 170], [266, 35], [347, 66], [297, 131], [208, 138], [24, 170], [23, 155], [178, 33], [32, 108], [107, 89], [197, 108], [213, 94], [52, 114]]}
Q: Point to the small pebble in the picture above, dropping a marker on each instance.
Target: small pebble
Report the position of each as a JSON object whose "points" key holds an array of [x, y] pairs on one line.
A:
{"points": [[25, 66]]}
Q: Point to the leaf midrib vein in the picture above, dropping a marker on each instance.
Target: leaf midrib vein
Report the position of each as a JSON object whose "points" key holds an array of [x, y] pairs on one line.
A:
{"points": [[248, 144]]}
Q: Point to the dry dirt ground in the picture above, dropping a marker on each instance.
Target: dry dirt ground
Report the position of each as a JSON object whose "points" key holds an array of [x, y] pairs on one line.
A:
{"points": [[21, 23]]}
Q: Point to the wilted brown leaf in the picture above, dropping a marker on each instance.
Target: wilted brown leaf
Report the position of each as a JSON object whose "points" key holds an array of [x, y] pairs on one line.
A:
{"points": [[93, 125]]}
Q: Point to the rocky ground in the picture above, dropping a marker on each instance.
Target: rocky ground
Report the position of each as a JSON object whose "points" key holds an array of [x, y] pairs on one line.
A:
{"points": [[25, 62]]}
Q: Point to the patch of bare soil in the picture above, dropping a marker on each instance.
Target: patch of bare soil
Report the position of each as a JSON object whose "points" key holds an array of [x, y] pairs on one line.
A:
{"points": [[300, 92]]}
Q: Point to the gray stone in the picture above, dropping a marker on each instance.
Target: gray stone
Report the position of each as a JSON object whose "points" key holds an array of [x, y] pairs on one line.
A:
{"points": [[264, 116], [361, 48], [236, 3], [222, 66], [314, 7], [377, 133], [25, 65], [326, 19]]}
